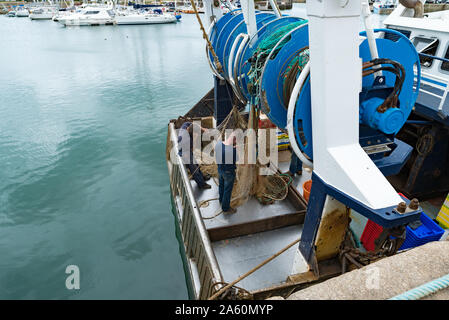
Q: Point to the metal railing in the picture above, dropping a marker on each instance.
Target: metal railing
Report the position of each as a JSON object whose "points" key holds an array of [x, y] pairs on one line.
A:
{"points": [[195, 237], [444, 86], [433, 57]]}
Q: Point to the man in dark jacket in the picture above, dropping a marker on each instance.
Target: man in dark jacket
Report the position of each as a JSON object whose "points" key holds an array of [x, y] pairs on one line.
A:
{"points": [[226, 157], [185, 143]]}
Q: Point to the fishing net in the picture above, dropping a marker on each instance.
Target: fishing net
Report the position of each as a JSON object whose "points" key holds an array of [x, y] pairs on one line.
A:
{"points": [[245, 173], [264, 49], [248, 182], [294, 68]]}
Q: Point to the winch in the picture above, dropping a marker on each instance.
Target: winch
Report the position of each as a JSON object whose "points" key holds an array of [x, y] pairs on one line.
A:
{"points": [[263, 68]]}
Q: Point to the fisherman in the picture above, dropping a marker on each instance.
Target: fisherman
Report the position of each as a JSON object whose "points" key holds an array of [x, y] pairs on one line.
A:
{"points": [[226, 158], [188, 158], [295, 165]]}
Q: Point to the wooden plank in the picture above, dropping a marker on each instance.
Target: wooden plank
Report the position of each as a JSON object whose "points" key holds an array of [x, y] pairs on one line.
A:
{"points": [[241, 229]]}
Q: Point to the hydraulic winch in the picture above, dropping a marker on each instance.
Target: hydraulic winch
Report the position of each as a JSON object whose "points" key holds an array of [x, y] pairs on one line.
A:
{"points": [[264, 68]]}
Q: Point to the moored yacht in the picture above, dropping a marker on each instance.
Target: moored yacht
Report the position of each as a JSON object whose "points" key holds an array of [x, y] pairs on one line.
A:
{"points": [[42, 13], [137, 17], [89, 16], [22, 12]]}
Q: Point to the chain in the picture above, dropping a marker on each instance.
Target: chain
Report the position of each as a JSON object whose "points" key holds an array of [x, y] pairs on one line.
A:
{"points": [[386, 246]]}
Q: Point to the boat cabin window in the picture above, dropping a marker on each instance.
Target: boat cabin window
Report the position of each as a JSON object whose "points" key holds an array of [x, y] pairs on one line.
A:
{"points": [[92, 12], [427, 46], [445, 65]]}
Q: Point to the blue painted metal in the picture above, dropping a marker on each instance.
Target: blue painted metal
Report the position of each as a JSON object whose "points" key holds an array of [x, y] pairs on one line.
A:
{"points": [[251, 47], [399, 49], [312, 220], [218, 26], [261, 19], [433, 57], [422, 108], [224, 33], [385, 217], [404, 52], [395, 161], [272, 80], [434, 82]]}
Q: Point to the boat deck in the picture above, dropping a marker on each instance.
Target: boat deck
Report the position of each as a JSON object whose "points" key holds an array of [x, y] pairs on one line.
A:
{"points": [[242, 240]]}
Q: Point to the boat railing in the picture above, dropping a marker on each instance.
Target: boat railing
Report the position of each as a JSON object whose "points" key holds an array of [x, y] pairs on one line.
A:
{"points": [[433, 57], [194, 233], [440, 83]]}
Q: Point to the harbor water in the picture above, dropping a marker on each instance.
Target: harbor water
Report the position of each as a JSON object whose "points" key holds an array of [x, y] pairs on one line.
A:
{"points": [[83, 177]]}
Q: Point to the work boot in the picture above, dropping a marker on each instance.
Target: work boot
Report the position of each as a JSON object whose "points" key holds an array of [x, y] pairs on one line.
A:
{"points": [[205, 186], [230, 210]]}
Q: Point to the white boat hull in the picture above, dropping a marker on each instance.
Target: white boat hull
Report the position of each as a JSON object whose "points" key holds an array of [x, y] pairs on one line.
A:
{"points": [[44, 16], [144, 19], [22, 14], [86, 22]]}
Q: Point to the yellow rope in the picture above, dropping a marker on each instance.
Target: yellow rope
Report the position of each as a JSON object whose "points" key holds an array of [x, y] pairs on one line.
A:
{"points": [[209, 44]]}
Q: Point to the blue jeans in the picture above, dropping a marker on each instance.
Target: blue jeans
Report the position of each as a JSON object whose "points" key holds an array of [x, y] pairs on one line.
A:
{"points": [[295, 163], [226, 183]]}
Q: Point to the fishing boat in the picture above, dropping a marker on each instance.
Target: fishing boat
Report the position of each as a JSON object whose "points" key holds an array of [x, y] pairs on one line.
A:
{"points": [[89, 16], [134, 17], [429, 32], [355, 140]]}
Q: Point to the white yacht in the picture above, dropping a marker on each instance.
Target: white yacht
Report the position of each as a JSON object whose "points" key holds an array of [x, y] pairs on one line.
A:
{"points": [[43, 13], [22, 12], [64, 13], [429, 33], [89, 16], [12, 13], [137, 17]]}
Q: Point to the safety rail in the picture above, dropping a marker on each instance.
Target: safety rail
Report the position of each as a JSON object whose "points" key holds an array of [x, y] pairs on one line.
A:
{"points": [[440, 83], [195, 237], [433, 57]]}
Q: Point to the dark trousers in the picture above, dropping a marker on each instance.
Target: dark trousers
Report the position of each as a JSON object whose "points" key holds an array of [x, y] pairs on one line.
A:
{"points": [[194, 168], [295, 163], [196, 173], [226, 182]]}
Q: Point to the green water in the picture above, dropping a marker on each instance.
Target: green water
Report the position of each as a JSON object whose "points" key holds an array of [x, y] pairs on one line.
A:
{"points": [[83, 178]]}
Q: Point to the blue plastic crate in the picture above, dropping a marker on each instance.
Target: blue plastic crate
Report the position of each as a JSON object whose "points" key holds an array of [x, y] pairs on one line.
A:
{"points": [[427, 232]]}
